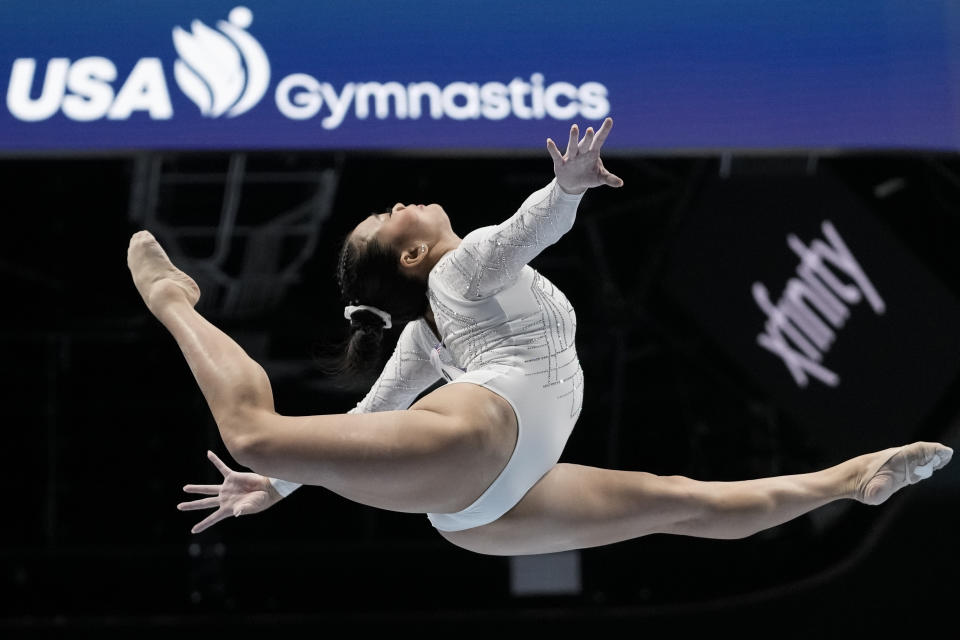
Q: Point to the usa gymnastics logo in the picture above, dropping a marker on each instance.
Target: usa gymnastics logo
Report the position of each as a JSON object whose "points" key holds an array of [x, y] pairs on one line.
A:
{"points": [[223, 71]]}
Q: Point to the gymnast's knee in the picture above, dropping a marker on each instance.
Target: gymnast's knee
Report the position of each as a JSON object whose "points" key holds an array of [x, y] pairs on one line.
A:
{"points": [[246, 435]]}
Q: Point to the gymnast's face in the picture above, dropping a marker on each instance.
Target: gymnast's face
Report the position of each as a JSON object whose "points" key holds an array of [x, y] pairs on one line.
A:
{"points": [[405, 227]]}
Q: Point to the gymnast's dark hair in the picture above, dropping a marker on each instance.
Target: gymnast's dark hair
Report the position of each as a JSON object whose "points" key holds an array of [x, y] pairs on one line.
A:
{"points": [[369, 274]]}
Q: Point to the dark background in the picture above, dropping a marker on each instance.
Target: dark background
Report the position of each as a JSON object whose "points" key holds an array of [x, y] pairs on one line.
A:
{"points": [[104, 423]]}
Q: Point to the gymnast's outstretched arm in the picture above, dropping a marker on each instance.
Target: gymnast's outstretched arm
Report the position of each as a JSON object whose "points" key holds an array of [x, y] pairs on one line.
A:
{"points": [[491, 258], [406, 375]]}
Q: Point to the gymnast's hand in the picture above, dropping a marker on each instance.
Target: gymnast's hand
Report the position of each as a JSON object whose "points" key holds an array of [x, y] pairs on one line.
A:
{"points": [[240, 494], [581, 167]]}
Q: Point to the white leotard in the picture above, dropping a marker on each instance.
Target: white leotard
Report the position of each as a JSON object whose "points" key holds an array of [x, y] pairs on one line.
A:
{"points": [[504, 327]]}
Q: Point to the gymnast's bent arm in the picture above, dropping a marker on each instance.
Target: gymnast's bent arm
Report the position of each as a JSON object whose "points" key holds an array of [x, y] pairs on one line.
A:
{"points": [[407, 374]]}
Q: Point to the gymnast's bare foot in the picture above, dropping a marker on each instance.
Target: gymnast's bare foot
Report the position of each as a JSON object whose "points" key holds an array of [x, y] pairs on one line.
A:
{"points": [[886, 472], [157, 280]]}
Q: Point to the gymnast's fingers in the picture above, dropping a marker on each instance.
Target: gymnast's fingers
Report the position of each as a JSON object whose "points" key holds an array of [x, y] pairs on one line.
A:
{"points": [[610, 179], [602, 134], [554, 152], [572, 143], [202, 503], [203, 489], [218, 463], [587, 141], [210, 520]]}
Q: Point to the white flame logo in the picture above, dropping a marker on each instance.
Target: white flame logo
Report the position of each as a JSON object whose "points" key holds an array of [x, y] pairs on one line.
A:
{"points": [[222, 71]]}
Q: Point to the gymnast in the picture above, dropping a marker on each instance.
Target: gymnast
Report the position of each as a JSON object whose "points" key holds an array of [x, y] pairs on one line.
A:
{"points": [[479, 454]]}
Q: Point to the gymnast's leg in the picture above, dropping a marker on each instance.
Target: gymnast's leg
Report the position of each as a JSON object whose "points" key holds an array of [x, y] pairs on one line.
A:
{"points": [[400, 460], [575, 507]]}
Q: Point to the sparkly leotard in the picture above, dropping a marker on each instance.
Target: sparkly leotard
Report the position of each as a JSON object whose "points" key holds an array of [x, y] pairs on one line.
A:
{"points": [[504, 327]]}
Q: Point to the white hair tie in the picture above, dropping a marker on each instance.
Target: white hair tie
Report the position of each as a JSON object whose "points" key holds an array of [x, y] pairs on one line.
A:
{"points": [[349, 310]]}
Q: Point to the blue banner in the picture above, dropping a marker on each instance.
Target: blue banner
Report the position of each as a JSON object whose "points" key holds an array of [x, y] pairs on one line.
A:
{"points": [[694, 75]]}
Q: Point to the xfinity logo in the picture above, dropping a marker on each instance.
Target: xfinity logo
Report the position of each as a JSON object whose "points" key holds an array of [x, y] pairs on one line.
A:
{"points": [[802, 325], [225, 72]]}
